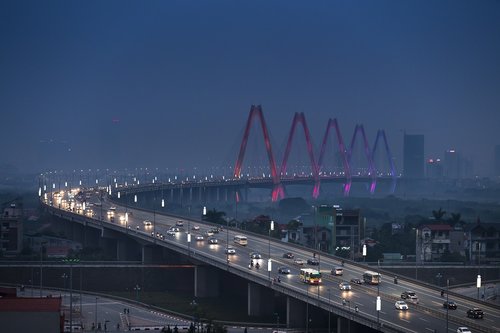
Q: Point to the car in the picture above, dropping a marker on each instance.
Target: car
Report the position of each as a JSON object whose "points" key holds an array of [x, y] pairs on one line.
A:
{"points": [[288, 255], [283, 270], [475, 313], [215, 230], [313, 261], [213, 240], [344, 286], [196, 227], [230, 250], [199, 238], [179, 223], [407, 294], [401, 305], [169, 232], [356, 281], [337, 271], [463, 329], [299, 261], [112, 208], [209, 233], [147, 223], [412, 299], [175, 229], [255, 255], [450, 305]]}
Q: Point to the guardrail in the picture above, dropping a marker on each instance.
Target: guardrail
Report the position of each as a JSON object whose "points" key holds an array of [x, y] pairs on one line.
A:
{"points": [[264, 280]]}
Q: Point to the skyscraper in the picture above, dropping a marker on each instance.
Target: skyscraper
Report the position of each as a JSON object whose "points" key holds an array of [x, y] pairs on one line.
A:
{"points": [[452, 167], [413, 159]]}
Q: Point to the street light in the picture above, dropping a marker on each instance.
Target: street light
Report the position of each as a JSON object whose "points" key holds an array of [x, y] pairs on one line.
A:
{"points": [[71, 262], [329, 309], [41, 266], [137, 288], [447, 301], [364, 252], [271, 228], [379, 302], [417, 255], [95, 323], [478, 285]]}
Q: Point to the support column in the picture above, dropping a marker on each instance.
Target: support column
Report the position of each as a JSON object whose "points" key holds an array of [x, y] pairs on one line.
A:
{"points": [[147, 254], [295, 312], [121, 249], [206, 281], [260, 300]]}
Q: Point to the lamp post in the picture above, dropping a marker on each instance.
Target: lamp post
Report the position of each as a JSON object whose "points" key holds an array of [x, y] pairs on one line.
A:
{"points": [[447, 301], [364, 252], [269, 268], [379, 301], [329, 308], [137, 288], [95, 323], [478, 284], [417, 255], [41, 266], [71, 262]]}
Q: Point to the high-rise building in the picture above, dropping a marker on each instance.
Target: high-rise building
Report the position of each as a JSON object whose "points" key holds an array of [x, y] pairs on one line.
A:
{"points": [[413, 160], [496, 162], [452, 164]]}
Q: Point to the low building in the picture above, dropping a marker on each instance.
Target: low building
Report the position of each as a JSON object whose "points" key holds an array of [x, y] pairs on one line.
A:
{"points": [[11, 230], [433, 240], [482, 242], [44, 313]]}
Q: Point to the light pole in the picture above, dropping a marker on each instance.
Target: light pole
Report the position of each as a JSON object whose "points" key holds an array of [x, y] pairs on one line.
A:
{"points": [[478, 284], [379, 301], [447, 301], [41, 266], [95, 323], [269, 268], [64, 277], [364, 252], [417, 255], [71, 262], [137, 288], [329, 308]]}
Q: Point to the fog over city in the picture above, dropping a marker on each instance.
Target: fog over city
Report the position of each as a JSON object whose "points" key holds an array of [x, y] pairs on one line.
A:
{"points": [[122, 84]]}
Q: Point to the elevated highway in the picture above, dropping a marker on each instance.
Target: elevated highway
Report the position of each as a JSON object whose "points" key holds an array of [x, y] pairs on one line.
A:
{"points": [[426, 316]]}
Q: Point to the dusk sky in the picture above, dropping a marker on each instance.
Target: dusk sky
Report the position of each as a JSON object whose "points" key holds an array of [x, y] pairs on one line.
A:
{"points": [[115, 84]]}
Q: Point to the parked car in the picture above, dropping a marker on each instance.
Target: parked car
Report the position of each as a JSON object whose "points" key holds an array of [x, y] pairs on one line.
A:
{"points": [[288, 255], [313, 261], [475, 313], [344, 286], [450, 305], [283, 270], [401, 305], [356, 281]]}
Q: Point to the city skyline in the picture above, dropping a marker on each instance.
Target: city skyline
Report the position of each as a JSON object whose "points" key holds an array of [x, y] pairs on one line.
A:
{"points": [[123, 84]]}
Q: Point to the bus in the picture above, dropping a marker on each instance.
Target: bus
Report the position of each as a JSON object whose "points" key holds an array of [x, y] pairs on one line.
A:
{"points": [[371, 277], [310, 276], [241, 240]]}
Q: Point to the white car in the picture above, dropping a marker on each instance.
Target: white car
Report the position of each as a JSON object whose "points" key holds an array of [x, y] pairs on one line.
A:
{"points": [[147, 223], [209, 233], [196, 227], [230, 250], [169, 232], [179, 223], [174, 229], [213, 240], [401, 305], [199, 238], [344, 286], [299, 261], [463, 329]]}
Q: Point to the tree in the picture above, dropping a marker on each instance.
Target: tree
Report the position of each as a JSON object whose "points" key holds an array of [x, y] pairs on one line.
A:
{"points": [[438, 214], [293, 225]]}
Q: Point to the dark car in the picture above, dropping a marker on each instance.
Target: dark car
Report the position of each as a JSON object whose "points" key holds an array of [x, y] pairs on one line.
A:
{"points": [[475, 313], [283, 270], [356, 281], [313, 261], [255, 255], [450, 305], [407, 294], [288, 255]]}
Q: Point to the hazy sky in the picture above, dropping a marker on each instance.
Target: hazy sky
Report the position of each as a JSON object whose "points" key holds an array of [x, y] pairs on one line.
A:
{"points": [[86, 84]]}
